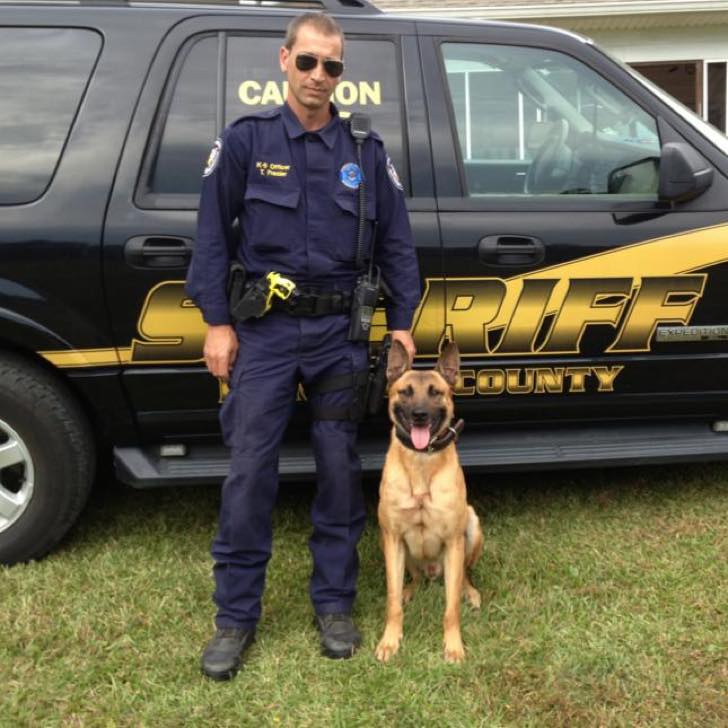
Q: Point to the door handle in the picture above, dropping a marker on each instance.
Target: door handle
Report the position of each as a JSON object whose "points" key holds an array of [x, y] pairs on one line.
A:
{"points": [[511, 250], [158, 251]]}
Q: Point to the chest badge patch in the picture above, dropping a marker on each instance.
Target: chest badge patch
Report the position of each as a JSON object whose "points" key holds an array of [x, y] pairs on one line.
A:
{"points": [[213, 158], [350, 175], [393, 176]]}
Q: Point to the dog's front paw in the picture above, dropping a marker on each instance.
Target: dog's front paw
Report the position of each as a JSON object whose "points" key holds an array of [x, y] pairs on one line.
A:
{"points": [[454, 650], [388, 646]]}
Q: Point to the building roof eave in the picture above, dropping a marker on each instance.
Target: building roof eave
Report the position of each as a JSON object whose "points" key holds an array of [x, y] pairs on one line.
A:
{"points": [[516, 11]]}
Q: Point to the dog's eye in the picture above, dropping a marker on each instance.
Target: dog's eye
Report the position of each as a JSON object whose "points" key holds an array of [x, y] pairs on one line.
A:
{"points": [[434, 392], [408, 391]]}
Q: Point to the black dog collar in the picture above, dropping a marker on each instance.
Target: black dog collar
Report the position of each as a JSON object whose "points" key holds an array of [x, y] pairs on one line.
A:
{"points": [[436, 443]]}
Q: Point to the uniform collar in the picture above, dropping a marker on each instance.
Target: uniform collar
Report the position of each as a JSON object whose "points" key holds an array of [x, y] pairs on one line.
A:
{"points": [[295, 130]]}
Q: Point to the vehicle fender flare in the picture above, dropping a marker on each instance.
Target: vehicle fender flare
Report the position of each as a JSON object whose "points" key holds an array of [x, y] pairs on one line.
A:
{"points": [[23, 333]]}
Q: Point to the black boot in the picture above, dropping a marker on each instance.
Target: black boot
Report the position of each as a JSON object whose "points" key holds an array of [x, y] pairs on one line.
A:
{"points": [[339, 636], [223, 654]]}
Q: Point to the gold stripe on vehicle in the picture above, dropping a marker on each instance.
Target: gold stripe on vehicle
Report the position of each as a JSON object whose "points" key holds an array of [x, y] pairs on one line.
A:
{"points": [[74, 358]]}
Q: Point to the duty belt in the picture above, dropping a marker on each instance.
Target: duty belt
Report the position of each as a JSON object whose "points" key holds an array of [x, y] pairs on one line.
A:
{"points": [[274, 292], [314, 302]]}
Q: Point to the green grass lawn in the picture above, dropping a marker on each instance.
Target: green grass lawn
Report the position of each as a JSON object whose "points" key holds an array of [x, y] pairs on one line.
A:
{"points": [[604, 603]]}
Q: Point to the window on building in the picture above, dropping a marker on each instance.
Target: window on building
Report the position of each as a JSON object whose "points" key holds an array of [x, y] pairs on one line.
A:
{"points": [[40, 93], [716, 101], [681, 79], [532, 121]]}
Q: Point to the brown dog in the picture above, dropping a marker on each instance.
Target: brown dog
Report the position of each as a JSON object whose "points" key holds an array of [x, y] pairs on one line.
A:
{"points": [[425, 520]]}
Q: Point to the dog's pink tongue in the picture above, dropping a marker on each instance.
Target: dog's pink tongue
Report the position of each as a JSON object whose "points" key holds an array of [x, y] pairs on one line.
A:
{"points": [[420, 436]]}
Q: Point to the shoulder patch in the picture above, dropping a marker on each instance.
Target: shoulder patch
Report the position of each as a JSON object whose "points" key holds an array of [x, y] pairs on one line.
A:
{"points": [[393, 176], [214, 157]]}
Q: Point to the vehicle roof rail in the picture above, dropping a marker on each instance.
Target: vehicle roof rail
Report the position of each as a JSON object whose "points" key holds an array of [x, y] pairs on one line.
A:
{"points": [[330, 6]]}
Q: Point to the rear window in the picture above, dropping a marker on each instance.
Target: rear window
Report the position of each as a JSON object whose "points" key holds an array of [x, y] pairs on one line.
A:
{"points": [[43, 76], [190, 123]]}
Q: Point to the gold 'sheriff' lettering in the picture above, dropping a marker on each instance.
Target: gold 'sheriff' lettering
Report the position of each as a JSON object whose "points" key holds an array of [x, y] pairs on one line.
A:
{"points": [[663, 299], [171, 326], [536, 312], [541, 321], [488, 316]]}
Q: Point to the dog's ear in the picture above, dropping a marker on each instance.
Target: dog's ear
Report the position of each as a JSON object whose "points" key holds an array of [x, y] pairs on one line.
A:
{"points": [[449, 363], [398, 362]]}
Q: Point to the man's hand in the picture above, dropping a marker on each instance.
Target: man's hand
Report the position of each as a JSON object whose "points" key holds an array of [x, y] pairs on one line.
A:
{"points": [[220, 350], [405, 338]]}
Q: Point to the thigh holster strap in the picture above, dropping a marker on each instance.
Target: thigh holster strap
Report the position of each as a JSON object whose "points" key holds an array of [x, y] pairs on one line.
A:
{"points": [[356, 381]]}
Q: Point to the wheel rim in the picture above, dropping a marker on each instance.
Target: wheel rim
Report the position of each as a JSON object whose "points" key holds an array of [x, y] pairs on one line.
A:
{"points": [[16, 476]]}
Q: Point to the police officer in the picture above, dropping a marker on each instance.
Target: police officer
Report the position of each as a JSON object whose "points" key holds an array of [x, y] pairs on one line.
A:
{"points": [[292, 176]]}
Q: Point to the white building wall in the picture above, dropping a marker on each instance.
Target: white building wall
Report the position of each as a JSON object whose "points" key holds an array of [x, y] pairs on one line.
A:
{"points": [[665, 44]]}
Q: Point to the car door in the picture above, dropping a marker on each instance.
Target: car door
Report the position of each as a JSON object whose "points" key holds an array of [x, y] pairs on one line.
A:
{"points": [[570, 287], [208, 72]]}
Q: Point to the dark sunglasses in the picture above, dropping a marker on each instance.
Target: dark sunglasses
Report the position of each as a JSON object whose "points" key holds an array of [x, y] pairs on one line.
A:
{"points": [[307, 62]]}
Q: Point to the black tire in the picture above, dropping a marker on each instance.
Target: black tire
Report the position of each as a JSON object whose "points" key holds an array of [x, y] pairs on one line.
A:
{"points": [[44, 429]]}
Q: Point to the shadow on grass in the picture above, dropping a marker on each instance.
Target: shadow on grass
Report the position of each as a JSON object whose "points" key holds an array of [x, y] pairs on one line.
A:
{"points": [[598, 488]]}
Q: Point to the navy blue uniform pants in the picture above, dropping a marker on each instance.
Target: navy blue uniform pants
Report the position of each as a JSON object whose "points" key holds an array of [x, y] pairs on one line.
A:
{"points": [[276, 353]]}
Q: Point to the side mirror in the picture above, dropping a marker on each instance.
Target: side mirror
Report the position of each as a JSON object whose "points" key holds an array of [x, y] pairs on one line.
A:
{"points": [[640, 177], [684, 174]]}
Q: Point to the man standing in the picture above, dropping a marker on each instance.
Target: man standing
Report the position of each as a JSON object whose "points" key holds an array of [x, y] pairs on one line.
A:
{"points": [[291, 176]]}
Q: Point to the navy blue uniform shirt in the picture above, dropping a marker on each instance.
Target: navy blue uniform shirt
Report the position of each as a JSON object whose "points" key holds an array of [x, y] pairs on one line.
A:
{"points": [[295, 196]]}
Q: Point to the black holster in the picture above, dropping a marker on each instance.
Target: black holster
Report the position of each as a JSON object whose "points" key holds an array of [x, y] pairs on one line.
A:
{"points": [[377, 385], [369, 385], [253, 301], [235, 287]]}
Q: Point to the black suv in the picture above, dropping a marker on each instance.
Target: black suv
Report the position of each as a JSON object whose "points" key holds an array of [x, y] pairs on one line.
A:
{"points": [[571, 223]]}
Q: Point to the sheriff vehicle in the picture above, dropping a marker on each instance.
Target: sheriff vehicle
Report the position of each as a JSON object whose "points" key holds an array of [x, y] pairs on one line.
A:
{"points": [[571, 222]]}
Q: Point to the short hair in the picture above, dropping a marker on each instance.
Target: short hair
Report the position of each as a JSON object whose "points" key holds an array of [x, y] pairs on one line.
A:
{"points": [[320, 21]]}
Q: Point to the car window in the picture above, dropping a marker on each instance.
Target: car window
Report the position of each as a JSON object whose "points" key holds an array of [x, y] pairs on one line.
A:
{"points": [[39, 96], [190, 124], [532, 121], [253, 81]]}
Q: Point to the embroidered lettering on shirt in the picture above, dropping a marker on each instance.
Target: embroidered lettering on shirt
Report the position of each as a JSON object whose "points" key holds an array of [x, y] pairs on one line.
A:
{"points": [[271, 169]]}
